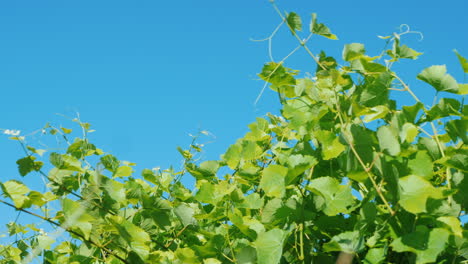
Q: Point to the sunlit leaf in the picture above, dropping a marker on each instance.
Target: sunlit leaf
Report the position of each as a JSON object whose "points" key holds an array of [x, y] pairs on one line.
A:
{"points": [[123, 171], [273, 180], [320, 29], [463, 61], [349, 242], [437, 77], [28, 164], [16, 191], [388, 140], [332, 197], [353, 51], [294, 21], [414, 192], [426, 244], [269, 246], [421, 165]]}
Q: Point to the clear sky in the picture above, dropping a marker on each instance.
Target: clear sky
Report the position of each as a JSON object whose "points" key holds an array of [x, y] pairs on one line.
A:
{"points": [[147, 73]]}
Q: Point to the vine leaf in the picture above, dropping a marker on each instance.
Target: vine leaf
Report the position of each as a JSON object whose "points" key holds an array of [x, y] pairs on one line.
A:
{"points": [[463, 61], [28, 164], [123, 171], [16, 191], [294, 22], [426, 244], [437, 77], [320, 29], [421, 165], [185, 214], [332, 197], [273, 180], [414, 192], [331, 145], [349, 242], [353, 51], [269, 246], [388, 141]]}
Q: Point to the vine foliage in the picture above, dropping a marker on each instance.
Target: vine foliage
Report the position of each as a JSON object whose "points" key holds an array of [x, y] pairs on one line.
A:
{"points": [[342, 170]]}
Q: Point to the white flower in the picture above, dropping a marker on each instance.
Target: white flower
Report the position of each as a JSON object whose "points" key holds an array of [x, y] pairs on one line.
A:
{"points": [[11, 132]]}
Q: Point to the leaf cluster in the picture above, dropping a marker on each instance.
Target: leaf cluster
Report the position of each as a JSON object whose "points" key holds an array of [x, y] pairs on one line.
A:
{"points": [[341, 169]]}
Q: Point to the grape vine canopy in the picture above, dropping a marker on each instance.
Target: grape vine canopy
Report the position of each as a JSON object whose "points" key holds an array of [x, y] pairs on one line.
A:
{"points": [[342, 171]]}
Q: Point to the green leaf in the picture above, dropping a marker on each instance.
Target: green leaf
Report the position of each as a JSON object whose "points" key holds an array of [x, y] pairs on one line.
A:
{"points": [[269, 246], [76, 217], [375, 256], [353, 51], [213, 193], [405, 52], [273, 211], [349, 242], [375, 90], [436, 76], [294, 21], [458, 160], [110, 162], [373, 113], [414, 192], [453, 223], [247, 255], [81, 148], [136, 238], [421, 165], [326, 61], [66, 130], [457, 129], [462, 88], [332, 197], [388, 140], [123, 171], [426, 244], [37, 198], [211, 261], [65, 162], [186, 256], [444, 108], [330, 144], [372, 67], [39, 152], [44, 242], [277, 74], [17, 191], [185, 213], [28, 164], [431, 145], [463, 61], [116, 190], [273, 180], [298, 164], [411, 112], [408, 133], [251, 201], [232, 156], [320, 29]]}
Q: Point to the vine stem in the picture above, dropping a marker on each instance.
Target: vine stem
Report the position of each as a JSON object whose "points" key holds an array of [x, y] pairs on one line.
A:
{"points": [[361, 162], [297, 37], [108, 251], [177, 236]]}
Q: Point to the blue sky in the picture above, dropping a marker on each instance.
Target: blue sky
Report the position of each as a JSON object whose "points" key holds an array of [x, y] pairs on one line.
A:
{"points": [[145, 74]]}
